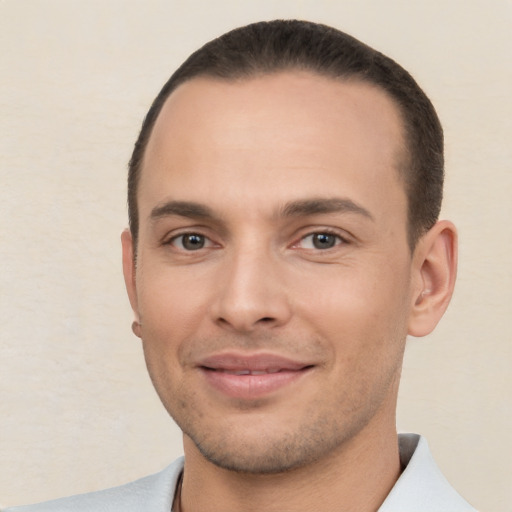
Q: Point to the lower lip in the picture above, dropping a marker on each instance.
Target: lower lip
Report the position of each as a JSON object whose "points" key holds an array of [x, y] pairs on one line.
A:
{"points": [[251, 386]]}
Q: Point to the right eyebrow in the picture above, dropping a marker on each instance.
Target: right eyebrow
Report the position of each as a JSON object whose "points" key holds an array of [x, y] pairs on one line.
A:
{"points": [[188, 209]]}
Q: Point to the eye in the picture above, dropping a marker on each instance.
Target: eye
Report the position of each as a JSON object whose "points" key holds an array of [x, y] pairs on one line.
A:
{"points": [[320, 241], [190, 241]]}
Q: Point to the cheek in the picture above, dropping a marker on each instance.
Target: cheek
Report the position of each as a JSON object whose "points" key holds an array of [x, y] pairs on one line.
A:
{"points": [[171, 304], [358, 309], [170, 313]]}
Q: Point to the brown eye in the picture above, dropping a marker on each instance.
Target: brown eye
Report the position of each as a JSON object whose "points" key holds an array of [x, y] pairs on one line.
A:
{"points": [[324, 240], [190, 241], [320, 240]]}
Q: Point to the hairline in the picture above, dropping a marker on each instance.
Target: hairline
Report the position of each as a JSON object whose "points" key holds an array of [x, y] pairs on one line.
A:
{"points": [[403, 150]]}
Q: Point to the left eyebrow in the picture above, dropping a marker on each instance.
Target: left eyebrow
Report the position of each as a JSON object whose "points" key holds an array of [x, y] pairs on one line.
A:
{"points": [[318, 206]]}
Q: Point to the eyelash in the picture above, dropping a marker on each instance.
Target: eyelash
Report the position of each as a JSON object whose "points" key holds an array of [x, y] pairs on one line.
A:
{"points": [[208, 243], [172, 240], [340, 240]]}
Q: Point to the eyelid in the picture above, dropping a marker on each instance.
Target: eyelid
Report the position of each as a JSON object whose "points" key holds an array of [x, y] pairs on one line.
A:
{"points": [[343, 237], [169, 239], [337, 242], [207, 241]]}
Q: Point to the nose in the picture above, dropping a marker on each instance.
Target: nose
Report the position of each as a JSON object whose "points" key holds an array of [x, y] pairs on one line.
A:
{"points": [[252, 294]]}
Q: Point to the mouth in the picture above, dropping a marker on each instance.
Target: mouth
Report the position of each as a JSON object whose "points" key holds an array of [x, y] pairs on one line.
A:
{"points": [[250, 377], [247, 372]]}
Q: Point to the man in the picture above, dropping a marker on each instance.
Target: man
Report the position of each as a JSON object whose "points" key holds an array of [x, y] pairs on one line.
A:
{"points": [[284, 240]]}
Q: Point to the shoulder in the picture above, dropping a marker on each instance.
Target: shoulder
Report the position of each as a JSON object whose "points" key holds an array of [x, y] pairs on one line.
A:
{"points": [[152, 493]]}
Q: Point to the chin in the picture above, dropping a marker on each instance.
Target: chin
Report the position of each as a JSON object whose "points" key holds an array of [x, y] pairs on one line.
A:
{"points": [[269, 449], [271, 458]]}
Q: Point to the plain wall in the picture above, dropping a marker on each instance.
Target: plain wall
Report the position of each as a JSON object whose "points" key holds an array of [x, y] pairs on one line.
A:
{"points": [[77, 410]]}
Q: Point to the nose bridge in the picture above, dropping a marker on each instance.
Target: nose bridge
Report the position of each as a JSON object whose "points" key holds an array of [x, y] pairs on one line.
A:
{"points": [[251, 291]]}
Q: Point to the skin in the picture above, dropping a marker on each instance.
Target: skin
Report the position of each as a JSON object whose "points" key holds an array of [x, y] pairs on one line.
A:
{"points": [[265, 166]]}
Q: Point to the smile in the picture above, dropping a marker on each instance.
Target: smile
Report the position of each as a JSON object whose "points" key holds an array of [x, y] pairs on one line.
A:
{"points": [[250, 377], [247, 372]]}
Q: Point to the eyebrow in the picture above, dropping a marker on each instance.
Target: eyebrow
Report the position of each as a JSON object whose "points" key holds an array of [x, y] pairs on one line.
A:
{"points": [[299, 208], [183, 209], [318, 206]]}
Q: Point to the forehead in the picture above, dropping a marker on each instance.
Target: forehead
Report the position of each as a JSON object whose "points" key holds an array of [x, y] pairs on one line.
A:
{"points": [[299, 95], [293, 126]]}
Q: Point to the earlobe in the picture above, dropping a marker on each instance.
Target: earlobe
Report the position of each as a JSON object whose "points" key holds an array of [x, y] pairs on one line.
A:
{"points": [[136, 329], [435, 269], [129, 271]]}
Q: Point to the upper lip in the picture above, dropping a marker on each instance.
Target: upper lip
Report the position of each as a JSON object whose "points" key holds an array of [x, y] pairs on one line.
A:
{"points": [[260, 362]]}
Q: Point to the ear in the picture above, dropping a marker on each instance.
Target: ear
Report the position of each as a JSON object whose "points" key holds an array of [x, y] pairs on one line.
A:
{"points": [[434, 269], [129, 270]]}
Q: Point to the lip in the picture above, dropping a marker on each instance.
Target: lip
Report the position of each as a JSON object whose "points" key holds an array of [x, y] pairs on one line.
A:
{"points": [[251, 376]]}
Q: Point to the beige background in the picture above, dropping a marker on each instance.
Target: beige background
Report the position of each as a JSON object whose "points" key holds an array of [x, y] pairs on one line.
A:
{"points": [[76, 77]]}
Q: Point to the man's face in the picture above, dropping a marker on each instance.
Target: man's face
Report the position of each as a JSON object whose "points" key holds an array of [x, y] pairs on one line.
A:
{"points": [[273, 279]]}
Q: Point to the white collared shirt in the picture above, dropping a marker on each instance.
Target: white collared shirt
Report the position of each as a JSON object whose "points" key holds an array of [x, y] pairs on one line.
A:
{"points": [[420, 488]]}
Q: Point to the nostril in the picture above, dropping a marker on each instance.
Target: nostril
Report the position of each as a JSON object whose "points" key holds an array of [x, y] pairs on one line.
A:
{"points": [[242, 324]]}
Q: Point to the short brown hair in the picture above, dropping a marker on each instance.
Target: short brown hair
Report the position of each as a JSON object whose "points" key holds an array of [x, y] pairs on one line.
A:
{"points": [[269, 47]]}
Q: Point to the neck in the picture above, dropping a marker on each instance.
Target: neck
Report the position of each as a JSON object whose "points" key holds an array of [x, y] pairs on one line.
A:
{"points": [[355, 478]]}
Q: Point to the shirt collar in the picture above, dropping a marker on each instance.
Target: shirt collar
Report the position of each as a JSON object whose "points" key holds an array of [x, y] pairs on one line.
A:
{"points": [[421, 486]]}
